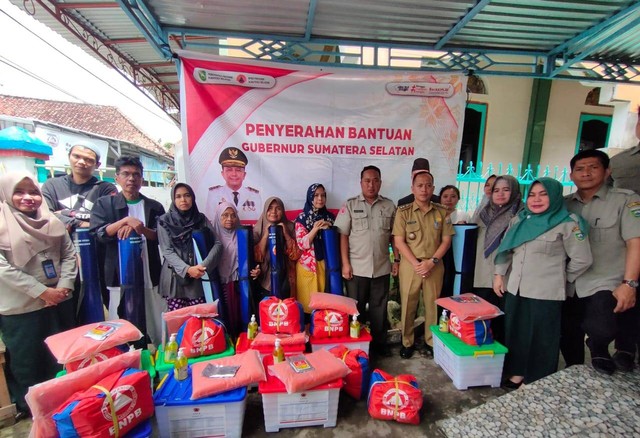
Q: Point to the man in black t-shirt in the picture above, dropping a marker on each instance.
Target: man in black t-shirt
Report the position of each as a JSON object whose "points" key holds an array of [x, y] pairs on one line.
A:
{"points": [[71, 197]]}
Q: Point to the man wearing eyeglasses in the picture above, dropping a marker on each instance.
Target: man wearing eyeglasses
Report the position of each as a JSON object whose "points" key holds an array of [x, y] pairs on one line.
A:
{"points": [[114, 218]]}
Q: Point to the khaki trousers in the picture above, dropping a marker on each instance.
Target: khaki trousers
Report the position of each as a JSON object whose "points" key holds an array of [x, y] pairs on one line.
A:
{"points": [[410, 286]]}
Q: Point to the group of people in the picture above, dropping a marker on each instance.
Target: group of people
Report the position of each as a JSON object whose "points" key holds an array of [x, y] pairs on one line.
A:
{"points": [[560, 267]]}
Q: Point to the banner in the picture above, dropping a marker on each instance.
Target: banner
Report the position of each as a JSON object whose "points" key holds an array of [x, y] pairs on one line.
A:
{"points": [[296, 125]]}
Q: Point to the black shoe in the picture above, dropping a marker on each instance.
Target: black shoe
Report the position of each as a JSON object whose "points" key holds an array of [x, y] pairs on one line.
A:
{"points": [[623, 361], [428, 349], [512, 385], [407, 352], [603, 365]]}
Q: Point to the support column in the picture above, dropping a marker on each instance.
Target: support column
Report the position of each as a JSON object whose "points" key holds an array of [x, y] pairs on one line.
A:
{"points": [[540, 93]]}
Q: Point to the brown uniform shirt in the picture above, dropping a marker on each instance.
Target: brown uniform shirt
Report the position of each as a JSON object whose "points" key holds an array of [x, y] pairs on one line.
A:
{"points": [[422, 231]]}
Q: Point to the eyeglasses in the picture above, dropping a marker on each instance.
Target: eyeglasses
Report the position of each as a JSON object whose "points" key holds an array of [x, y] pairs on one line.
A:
{"points": [[127, 175]]}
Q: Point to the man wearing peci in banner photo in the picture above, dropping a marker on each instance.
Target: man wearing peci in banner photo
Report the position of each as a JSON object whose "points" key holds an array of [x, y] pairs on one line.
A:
{"points": [[246, 199]]}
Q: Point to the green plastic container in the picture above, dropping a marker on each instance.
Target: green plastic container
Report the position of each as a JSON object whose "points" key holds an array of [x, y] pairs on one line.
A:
{"points": [[461, 348], [163, 368], [468, 365]]}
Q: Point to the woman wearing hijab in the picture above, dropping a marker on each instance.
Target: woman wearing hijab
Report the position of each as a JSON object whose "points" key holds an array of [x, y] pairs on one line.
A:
{"points": [[545, 247], [180, 276], [225, 226], [310, 269], [273, 214], [486, 196], [493, 220], [37, 274]]}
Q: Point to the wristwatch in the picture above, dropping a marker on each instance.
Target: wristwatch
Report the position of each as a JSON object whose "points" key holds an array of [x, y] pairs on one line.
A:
{"points": [[631, 283], [435, 260]]}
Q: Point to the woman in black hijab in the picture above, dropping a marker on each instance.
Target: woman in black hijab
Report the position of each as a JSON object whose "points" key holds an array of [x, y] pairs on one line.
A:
{"points": [[180, 277]]}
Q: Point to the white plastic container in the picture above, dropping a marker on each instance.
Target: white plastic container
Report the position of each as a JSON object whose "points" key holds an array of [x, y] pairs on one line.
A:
{"points": [[221, 415], [361, 343], [468, 365], [315, 407]]}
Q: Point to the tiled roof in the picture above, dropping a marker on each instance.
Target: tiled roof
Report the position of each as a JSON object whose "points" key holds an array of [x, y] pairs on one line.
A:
{"points": [[102, 120]]}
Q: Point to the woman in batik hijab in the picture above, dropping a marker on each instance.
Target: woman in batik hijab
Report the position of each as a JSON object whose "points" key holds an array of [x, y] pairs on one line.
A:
{"points": [[274, 214], [37, 275], [181, 274], [504, 203], [310, 269]]}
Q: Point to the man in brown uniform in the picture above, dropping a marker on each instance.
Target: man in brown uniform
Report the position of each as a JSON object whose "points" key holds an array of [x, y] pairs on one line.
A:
{"points": [[422, 234]]}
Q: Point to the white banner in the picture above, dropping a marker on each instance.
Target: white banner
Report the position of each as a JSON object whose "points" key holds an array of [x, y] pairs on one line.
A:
{"points": [[299, 125]]}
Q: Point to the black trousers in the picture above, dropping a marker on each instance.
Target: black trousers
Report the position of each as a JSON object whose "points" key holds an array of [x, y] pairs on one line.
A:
{"points": [[497, 323], [595, 317], [374, 291], [29, 360]]}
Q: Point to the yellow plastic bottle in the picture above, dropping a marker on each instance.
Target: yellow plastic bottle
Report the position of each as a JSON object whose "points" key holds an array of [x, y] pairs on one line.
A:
{"points": [[444, 322], [171, 349], [181, 366], [354, 327], [278, 352], [252, 328]]}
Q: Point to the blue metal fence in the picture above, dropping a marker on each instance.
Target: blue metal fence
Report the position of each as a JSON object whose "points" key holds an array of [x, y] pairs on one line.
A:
{"points": [[470, 182]]}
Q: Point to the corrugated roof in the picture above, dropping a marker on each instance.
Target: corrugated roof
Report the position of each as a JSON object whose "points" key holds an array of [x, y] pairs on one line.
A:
{"points": [[589, 39], [106, 121]]}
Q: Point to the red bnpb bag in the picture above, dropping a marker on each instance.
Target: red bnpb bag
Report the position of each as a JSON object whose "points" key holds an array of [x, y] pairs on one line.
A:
{"points": [[394, 398], [281, 316], [119, 402], [329, 324], [472, 333], [357, 381], [100, 356], [202, 337]]}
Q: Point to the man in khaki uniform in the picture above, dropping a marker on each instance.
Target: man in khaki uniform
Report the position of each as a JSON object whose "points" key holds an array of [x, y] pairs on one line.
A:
{"points": [[625, 166], [606, 303], [422, 234], [365, 223]]}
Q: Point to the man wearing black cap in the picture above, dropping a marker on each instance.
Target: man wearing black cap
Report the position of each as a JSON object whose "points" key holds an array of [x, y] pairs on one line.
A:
{"points": [[419, 165], [71, 197], [246, 199]]}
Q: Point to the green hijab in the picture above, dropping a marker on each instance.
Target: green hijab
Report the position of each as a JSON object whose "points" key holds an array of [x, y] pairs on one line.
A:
{"points": [[531, 225]]}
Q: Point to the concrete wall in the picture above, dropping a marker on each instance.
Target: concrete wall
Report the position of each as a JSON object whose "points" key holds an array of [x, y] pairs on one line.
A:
{"points": [[507, 112], [565, 106]]}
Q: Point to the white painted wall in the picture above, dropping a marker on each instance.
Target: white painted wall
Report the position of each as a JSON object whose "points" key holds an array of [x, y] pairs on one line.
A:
{"points": [[566, 103], [507, 113]]}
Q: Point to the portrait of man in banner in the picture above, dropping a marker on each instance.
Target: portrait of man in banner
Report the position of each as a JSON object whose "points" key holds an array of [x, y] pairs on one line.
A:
{"points": [[246, 199]]}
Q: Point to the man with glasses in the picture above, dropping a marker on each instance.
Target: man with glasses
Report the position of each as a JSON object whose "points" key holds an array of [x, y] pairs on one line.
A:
{"points": [[365, 223], [114, 218]]}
